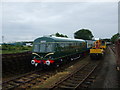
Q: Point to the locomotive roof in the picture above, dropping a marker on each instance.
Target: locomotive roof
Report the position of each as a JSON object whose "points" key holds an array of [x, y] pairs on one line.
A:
{"points": [[58, 39]]}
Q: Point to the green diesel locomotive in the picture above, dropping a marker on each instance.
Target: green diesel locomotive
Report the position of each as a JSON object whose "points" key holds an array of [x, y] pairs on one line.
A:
{"points": [[52, 51]]}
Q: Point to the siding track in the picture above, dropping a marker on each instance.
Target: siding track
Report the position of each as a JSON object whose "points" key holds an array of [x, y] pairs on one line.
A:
{"points": [[78, 78], [27, 80]]}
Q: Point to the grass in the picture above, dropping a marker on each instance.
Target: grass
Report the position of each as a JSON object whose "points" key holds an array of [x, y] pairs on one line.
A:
{"points": [[10, 49]]}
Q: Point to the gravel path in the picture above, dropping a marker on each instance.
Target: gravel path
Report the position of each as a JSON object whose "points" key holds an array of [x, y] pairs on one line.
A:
{"points": [[108, 75]]}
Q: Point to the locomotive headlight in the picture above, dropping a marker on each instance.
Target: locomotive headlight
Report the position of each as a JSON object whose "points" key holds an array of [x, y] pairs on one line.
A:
{"points": [[48, 62], [32, 62], [36, 64]]}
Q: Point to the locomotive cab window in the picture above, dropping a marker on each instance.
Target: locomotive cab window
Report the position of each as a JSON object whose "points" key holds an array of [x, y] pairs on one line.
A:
{"points": [[43, 47], [46, 47], [49, 47], [103, 42], [36, 48]]}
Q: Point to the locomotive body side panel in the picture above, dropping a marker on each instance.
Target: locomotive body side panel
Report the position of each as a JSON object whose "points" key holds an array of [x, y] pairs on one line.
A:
{"points": [[47, 50]]}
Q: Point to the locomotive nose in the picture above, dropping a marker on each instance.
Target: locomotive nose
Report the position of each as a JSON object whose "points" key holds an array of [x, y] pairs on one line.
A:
{"points": [[32, 62]]}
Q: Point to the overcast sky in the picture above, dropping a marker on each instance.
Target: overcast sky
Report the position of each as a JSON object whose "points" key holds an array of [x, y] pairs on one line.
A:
{"points": [[30, 20]]}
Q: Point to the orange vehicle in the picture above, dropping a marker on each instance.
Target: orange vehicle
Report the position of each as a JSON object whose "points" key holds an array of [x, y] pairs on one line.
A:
{"points": [[98, 50]]}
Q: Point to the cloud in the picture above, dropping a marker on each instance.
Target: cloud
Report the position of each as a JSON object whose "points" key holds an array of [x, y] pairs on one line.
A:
{"points": [[29, 20]]}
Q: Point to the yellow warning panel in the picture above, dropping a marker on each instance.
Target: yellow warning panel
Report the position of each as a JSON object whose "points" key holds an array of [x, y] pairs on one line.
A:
{"points": [[96, 50], [103, 47]]}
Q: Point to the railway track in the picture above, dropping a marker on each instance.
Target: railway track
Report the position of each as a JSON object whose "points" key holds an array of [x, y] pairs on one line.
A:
{"points": [[30, 79], [27, 80], [33, 78], [80, 78]]}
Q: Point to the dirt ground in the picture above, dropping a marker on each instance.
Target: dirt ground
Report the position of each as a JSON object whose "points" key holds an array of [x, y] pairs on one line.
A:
{"points": [[108, 75]]}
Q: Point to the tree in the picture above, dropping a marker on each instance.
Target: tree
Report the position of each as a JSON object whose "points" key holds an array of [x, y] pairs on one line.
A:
{"points": [[114, 37], [83, 34], [107, 40], [60, 35]]}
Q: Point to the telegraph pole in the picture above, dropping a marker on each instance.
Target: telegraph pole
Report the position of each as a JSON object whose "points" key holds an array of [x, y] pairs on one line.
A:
{"points": [[2, 39]]}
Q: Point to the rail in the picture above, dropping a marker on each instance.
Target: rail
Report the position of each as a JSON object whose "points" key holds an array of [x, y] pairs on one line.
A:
{"points": [[26, 80], [77, 78]]}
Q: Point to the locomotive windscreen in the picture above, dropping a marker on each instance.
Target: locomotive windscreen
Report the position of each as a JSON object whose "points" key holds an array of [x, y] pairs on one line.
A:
{"points": [[103, 42], [43, 47]]}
